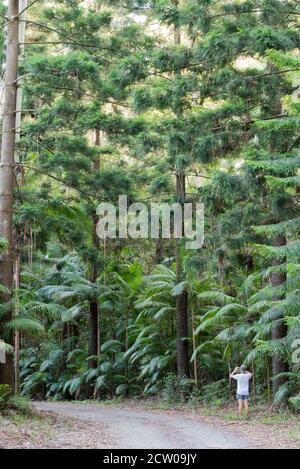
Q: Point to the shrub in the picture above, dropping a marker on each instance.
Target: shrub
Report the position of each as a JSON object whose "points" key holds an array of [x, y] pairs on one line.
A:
{"points": [[214, 393], [5, 393], [177, 390]]}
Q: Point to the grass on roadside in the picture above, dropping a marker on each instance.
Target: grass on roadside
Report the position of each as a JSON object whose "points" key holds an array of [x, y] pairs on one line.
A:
{"points": [[21, 424]]}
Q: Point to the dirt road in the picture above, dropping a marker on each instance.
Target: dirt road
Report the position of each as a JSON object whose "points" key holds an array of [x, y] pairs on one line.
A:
{"points": [[140, 429]]}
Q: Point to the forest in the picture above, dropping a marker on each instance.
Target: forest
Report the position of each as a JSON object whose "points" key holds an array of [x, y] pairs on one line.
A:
{"points": [[164, 101]]}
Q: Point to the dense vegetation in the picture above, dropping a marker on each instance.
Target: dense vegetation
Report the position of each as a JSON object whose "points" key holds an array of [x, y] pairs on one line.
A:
{"points": [[164, 101]]}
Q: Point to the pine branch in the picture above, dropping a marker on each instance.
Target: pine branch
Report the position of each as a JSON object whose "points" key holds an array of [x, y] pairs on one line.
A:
{"points": [[51, 176], [40, 25], [26, 8], [65, 43]]}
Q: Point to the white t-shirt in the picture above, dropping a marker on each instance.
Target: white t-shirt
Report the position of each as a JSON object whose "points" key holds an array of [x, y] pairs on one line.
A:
{"points": [[243, 383]]}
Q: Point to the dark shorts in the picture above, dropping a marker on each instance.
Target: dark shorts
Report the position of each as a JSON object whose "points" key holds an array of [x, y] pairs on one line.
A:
{"points": [[241, 397]]}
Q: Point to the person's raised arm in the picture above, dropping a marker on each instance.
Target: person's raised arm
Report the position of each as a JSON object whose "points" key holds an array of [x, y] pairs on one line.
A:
{"points": [[234, 371]]}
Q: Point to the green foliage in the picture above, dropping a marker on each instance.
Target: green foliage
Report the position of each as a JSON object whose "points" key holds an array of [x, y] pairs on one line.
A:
{"points": [[213, 392], [3, 245], [113, 104], [5, 392], [176, 390]]}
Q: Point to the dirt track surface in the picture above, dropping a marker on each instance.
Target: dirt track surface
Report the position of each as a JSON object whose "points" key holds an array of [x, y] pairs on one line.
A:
{"points": [[146, 429]]}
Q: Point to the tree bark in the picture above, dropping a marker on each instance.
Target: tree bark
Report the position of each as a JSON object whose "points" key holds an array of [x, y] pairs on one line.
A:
{"points": [[278, 331], [194, 349], [94, 339], [158, 251], [7, 167], [278, 279], [17, 271], [22, 31], [19, 176], [182, 334], [182, 299], [94, 312]]}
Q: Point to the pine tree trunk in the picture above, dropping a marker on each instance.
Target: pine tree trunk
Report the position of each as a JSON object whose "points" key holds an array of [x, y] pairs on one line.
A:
{"points": [[7, 167], [268, 381], [182, 334], [194, 349], [181, 300], [94, 339], [19, 175], [278, 331], [19, 98], [253, 371], [158, 251], [278, 279], [17, 273]]}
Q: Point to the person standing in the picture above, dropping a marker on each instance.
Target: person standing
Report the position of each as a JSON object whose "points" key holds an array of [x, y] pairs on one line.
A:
{"points": [[242, 394]]}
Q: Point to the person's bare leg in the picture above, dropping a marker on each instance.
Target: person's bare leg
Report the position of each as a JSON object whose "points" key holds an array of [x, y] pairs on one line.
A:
{"points": [[247, 407], [240, 408]]}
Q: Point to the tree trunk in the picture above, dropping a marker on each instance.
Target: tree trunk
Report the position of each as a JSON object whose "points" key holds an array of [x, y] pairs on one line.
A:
{"points": [[268, 380], [93, 342], [253, 371], [181, 300], [182, 334], [277, 279], [7, 167], [94, 327], [19, 97], [19, 175], [158, 251], [17, 272], [278, 331], [94, 339], [194, 349]]}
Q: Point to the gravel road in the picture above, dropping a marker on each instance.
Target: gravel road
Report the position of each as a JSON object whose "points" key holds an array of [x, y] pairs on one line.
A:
{"points": [[146, 429]]}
